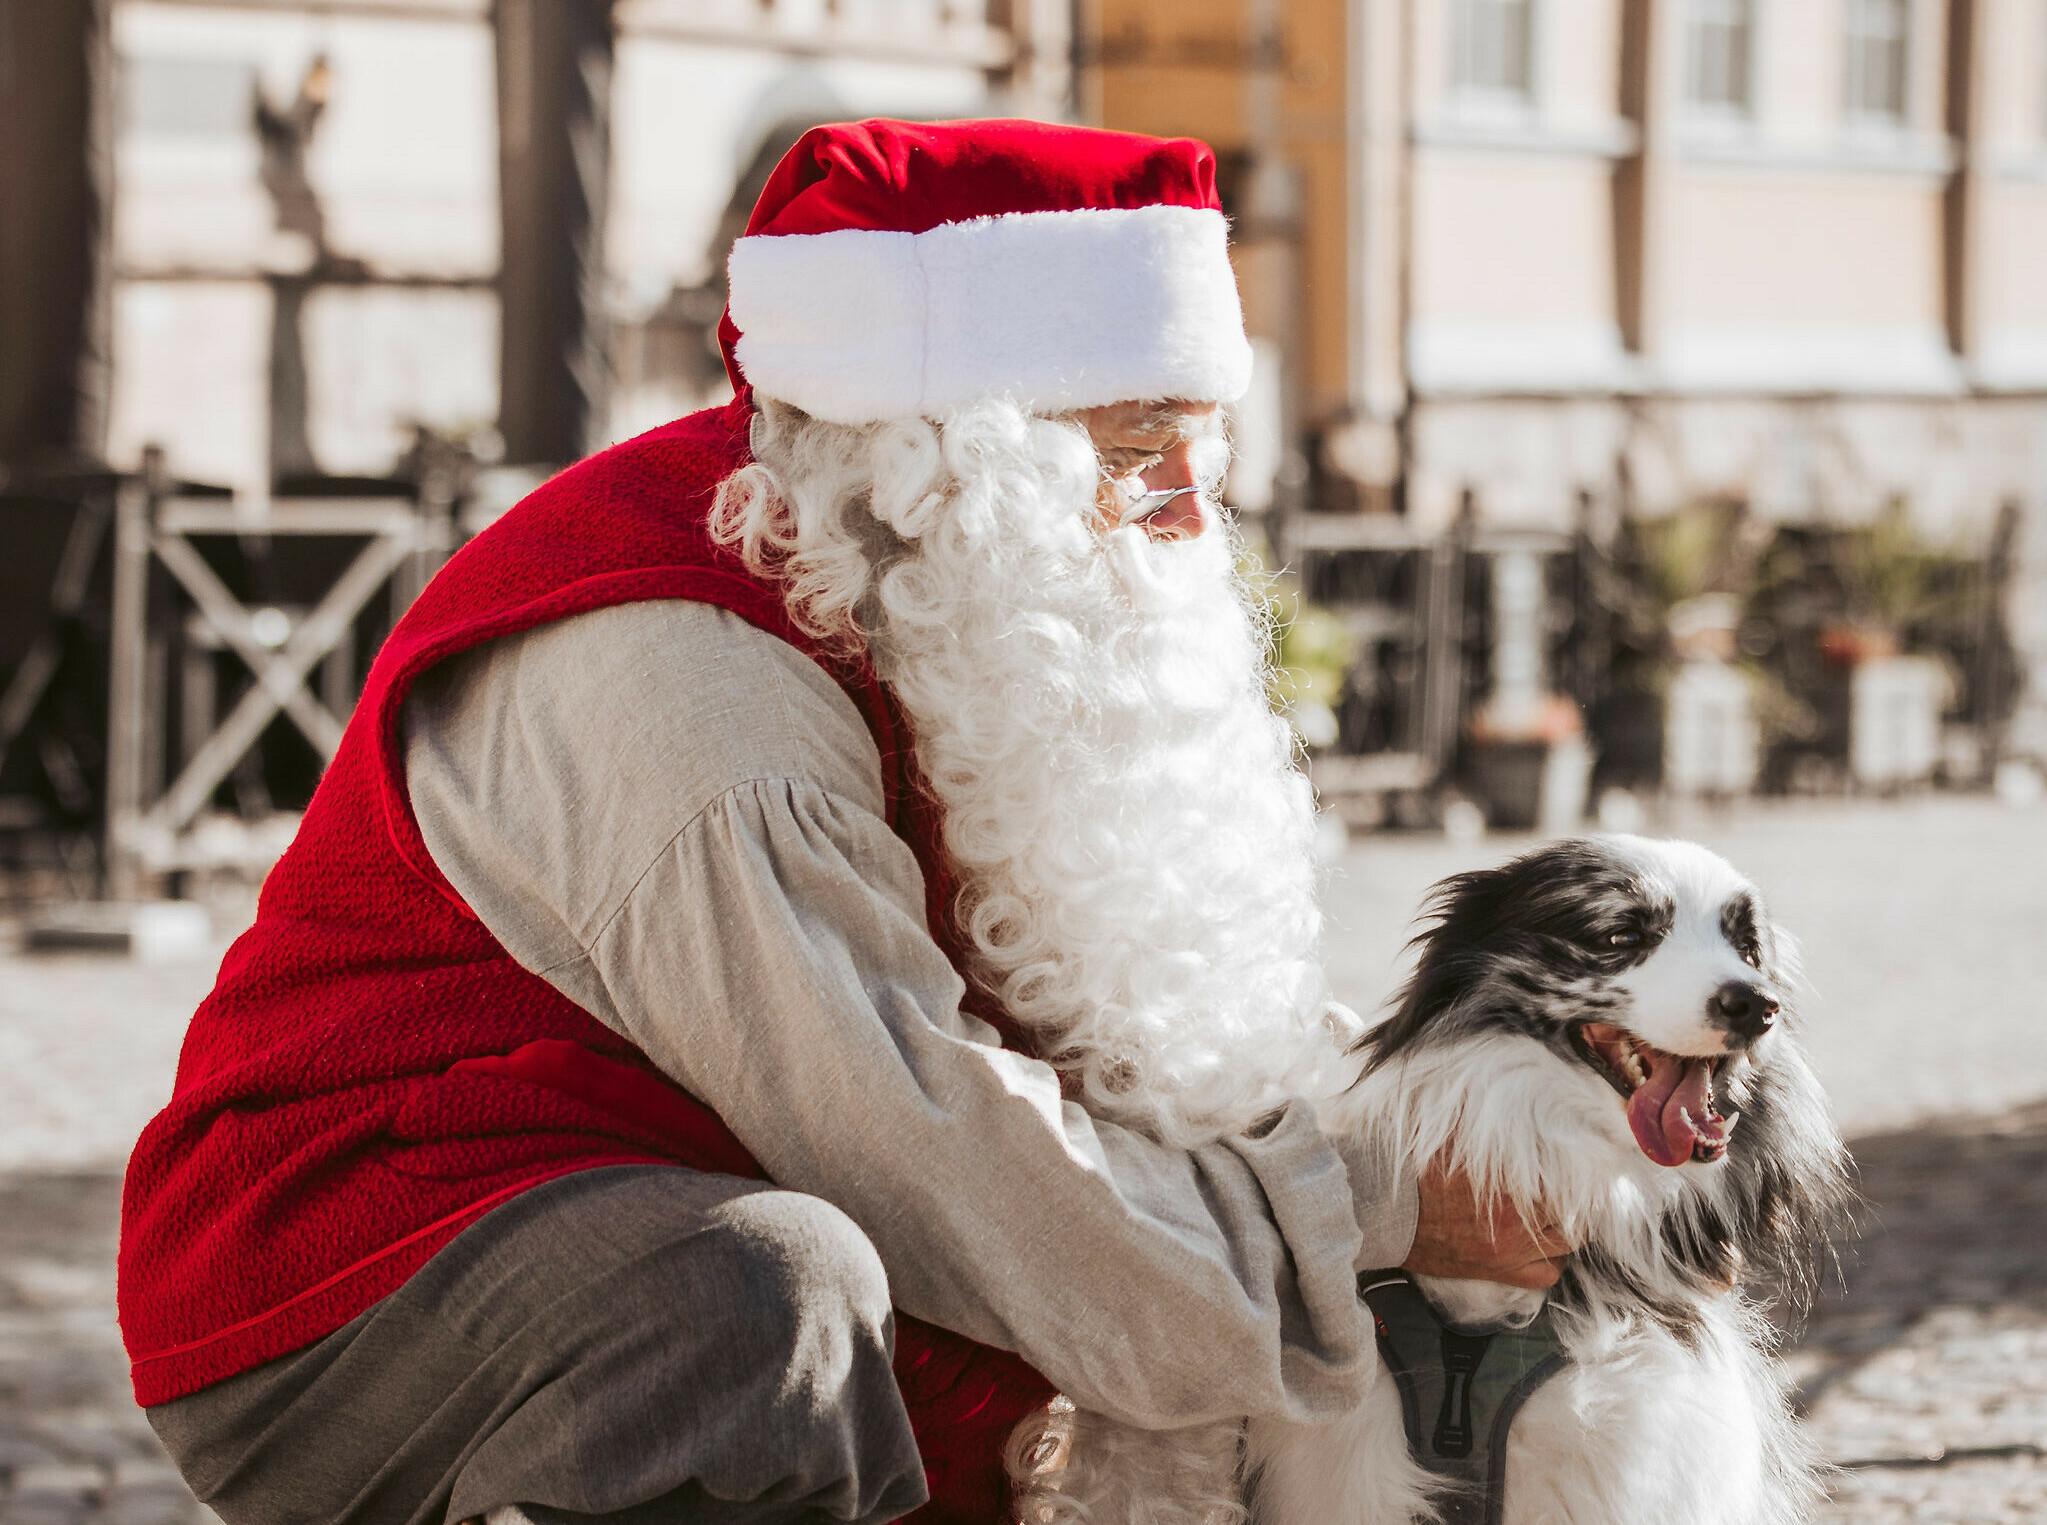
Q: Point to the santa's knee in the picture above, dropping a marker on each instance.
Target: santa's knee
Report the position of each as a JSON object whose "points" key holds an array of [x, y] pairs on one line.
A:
{"points": [[808, 1288], [753, 1364]]}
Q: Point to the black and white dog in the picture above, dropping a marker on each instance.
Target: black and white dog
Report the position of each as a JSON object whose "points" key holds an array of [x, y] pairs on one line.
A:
{"points": [[1602, 1030]]}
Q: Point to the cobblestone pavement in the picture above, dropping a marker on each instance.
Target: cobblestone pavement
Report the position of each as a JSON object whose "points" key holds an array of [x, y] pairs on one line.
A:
{"points": [[74, 1449], [1926, 1378], [1924, 1373]]}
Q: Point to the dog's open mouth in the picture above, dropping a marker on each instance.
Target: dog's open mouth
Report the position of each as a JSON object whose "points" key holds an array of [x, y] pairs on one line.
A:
{"points": [[1669, 1096]]}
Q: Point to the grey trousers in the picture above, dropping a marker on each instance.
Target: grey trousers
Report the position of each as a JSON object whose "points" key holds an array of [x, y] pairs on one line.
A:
{"points": [[635, 1344]]}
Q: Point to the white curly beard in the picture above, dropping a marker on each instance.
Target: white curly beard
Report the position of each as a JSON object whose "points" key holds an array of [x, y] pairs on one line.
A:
{"points": [[1132, 839]]}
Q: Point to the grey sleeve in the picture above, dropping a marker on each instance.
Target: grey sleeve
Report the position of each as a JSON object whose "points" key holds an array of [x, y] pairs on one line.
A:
{"points": [[677, 821]]}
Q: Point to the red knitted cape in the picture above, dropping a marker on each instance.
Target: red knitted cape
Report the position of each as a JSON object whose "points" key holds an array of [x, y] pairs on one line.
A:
{"points": [[373, 1071]]}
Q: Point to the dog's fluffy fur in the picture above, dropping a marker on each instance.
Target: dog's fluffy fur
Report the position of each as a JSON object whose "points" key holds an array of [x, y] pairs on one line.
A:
{"points": [[1672, 1406]]}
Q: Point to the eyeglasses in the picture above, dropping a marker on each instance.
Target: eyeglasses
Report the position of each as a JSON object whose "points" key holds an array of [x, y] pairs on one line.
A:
{"points": [[1142, 503]]}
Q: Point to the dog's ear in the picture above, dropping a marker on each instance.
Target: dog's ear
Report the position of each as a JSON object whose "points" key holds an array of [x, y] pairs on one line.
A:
{"points": [[1456, 914], [1704, 1243], [1527, 910], [1793, 1192]]}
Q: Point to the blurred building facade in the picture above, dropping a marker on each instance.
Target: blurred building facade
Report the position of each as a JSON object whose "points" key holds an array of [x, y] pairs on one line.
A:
{"points": [[1784, 252], [333, 168], [264, 262], [1511, 266], [1521, 246]]}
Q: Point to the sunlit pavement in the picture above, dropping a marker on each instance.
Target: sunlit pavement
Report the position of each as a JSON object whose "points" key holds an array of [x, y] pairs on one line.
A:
{"points": [[1925, 1373], [1925, 926]]}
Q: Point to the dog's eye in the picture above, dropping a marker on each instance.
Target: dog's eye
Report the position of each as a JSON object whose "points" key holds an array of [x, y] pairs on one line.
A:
{"points": [[1752, 955], [1627, 937]]}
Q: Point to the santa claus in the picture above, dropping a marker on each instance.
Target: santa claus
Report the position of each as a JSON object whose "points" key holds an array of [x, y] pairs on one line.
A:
{"points": [[807, 949]]}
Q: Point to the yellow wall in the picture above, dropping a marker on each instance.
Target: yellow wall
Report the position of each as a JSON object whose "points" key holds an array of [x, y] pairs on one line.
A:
{"points": [[1171, 69], [1179, 68]]}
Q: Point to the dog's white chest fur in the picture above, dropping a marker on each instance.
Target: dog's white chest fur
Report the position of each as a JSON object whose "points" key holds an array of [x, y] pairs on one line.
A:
{"points": [[1645, 1430]]}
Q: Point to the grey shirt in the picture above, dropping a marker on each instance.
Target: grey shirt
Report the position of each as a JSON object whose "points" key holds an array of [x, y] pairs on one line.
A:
{"points": [[676, 820]]}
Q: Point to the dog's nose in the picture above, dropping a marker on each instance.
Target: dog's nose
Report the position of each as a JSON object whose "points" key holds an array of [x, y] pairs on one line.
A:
{"points": [[1745, 1011]]}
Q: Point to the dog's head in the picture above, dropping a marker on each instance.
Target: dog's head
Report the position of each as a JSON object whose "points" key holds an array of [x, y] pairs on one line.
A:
{"points": [[1634, 1000]]}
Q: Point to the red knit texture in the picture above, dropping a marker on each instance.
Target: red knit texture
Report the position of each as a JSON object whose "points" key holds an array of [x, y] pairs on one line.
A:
{"points": [[373, 1071]]}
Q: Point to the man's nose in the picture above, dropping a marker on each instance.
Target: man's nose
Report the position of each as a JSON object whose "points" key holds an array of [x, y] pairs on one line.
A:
{"points": [[1182, 517]]}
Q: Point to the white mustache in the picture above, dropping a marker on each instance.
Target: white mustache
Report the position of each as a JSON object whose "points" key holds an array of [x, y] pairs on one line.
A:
{"points": [[1144, 573]]}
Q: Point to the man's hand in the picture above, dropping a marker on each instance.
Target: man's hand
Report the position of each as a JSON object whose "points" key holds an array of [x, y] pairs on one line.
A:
{"points": [[1459, 1235]]}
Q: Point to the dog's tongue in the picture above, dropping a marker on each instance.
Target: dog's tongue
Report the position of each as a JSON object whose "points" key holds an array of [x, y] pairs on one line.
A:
{"points": [[1664, 1112]]}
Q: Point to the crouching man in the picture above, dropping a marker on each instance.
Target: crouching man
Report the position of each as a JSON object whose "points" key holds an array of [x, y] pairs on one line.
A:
{"points": [[807, 945]]}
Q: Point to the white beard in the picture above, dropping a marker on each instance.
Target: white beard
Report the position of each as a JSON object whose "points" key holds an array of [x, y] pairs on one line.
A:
{"points": [[1120, 805], [1132, 839]]}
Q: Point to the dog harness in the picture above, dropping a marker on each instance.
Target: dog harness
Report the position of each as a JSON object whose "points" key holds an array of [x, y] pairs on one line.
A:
{"points": [[1460, 1389]]}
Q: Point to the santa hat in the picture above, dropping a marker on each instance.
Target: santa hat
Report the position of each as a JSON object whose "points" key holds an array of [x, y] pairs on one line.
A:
{"points": [[899, 269]]}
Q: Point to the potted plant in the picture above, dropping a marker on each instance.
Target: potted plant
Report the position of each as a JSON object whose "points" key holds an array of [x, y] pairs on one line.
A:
{"points": [[1683, 708], [1895, 585]]}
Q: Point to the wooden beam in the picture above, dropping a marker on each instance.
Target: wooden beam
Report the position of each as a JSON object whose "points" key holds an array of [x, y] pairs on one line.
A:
{"points": [[56, 210], [1963, 244], [554, 65], [1641, 192], [1379, 227]]}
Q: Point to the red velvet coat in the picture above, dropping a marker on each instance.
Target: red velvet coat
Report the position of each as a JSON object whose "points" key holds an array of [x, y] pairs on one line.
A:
{"points": [[373, 1071]]}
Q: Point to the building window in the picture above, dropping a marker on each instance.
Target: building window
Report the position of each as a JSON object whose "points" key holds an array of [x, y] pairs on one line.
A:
{"points": [[1719, 42], [165, 96], [1492, 47], [1879, 35]]}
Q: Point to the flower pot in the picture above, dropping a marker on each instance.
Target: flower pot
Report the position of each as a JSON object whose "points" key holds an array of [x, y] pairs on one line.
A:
{"points": [[1712, 745]]}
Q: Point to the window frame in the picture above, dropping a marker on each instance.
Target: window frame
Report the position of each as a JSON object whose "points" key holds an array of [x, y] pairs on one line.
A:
{"points": [[1730, 16], [1856, 42], [154, 93], [1469, 95]]}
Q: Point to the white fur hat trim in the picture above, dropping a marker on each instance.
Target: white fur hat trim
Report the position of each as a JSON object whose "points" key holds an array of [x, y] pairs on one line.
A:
{"points": [[1058, 310]]}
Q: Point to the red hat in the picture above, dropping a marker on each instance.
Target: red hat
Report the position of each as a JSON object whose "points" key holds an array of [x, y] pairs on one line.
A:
{"points": [[899, 269]]}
